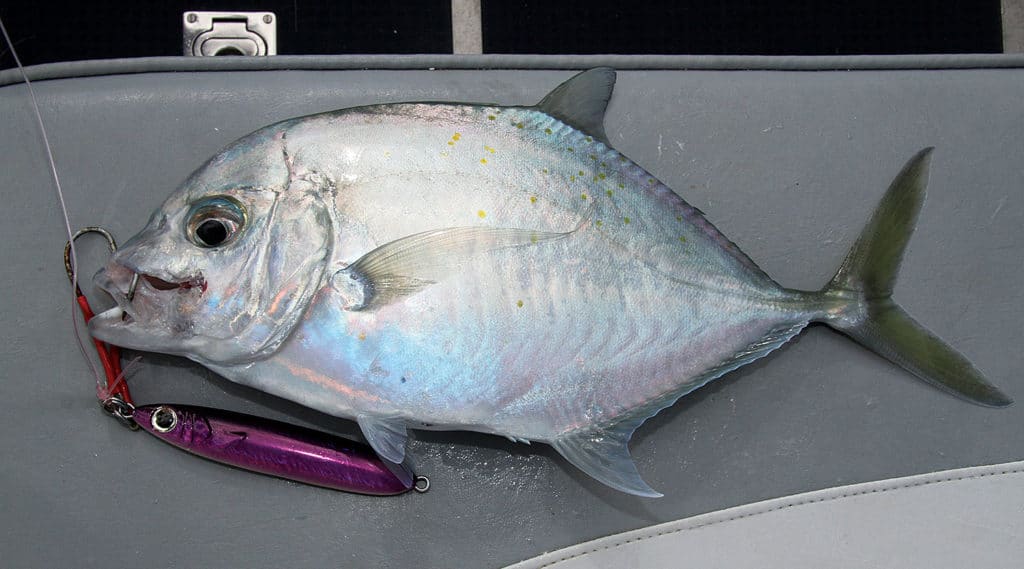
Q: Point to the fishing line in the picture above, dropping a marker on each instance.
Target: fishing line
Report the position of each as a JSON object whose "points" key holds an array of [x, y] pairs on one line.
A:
{"points": [[63, 208]]}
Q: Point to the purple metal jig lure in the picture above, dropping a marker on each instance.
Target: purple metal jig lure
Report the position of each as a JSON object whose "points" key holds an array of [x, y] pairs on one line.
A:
{"points": [[275, 448]]}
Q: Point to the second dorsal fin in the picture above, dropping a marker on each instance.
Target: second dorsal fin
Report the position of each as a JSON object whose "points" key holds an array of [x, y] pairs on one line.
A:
{"points": [[581, 101]]}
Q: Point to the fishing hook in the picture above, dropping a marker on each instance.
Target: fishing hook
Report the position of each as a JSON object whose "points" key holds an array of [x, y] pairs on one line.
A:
{"points": [[114, 396], [111, 244]]}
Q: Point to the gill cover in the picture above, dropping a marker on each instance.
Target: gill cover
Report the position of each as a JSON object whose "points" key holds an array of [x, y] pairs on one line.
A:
{"points": [[280, 276], [284, 254]]}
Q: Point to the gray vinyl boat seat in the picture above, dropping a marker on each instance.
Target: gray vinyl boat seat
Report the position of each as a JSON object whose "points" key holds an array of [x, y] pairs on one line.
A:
{"points": [[787, 156]]}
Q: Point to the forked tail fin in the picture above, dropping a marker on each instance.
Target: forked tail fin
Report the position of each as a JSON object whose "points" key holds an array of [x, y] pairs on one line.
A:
{"points": [[860, 302]]}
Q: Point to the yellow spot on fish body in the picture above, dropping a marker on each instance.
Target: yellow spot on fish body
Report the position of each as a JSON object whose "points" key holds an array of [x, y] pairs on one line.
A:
{"points": [[519, 125], [533, 199], [650, 180], [519, 303], [581, 173], [609, 192], [572, 178], [545, 170], [571, 149], [583, 196], [489, 149], [483, 161], [450, 143], [603, 165], [594, 158], [679, 218], [625, 220], [598, 223], [547, 131], [491, 117], [362, 336], [533, 238], [682, 239], [456, 136], [589, 139], [601, 175], [621, 186], [481, 214]]}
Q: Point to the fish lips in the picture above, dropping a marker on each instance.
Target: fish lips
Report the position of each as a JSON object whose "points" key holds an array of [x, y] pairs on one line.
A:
{"points": [[142, 322]]}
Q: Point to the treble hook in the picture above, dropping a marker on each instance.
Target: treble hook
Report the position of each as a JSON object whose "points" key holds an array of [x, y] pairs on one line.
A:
{"points": [[111, 243]]}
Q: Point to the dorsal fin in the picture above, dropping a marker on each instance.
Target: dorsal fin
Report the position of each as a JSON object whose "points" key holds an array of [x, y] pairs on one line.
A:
{"points": [[581, 101]]}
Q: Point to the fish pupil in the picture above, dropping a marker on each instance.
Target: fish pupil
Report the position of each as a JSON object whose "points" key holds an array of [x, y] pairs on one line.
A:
{"points": [[212, 232]]}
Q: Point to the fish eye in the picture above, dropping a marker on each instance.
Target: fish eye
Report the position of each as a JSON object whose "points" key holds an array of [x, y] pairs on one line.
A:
{"points": [[215, 221], [164, 419]]}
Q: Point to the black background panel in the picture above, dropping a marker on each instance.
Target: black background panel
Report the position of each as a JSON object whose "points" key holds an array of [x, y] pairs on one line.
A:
{"points": [[798, 27], [120, 28]]}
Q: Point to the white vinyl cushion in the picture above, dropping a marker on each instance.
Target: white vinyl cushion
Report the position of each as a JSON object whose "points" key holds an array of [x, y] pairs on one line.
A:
{"points": [[969, 517]]}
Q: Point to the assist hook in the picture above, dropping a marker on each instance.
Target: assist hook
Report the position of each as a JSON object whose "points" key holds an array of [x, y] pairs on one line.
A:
{"points": [[114, 396], [111, 244]]}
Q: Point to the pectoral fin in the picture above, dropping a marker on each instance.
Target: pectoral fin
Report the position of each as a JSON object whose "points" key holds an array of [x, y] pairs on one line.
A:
{"points": [[406, 266], [386, 436]]}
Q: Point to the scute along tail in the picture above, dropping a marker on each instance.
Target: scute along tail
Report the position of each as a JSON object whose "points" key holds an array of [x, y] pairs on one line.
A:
{"points": [[860, 302]]}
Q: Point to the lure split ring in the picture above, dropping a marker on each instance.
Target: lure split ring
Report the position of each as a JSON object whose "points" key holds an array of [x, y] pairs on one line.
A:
{"points": [[421, 484], [120, 410]]}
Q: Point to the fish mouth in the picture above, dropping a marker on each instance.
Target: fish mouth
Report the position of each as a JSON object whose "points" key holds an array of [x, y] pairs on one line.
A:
{"points": [[160, 284], [142, 303]]}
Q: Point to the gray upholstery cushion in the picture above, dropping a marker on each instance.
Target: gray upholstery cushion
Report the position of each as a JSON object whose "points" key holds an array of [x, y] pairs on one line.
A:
{"points": [[787, 163]]}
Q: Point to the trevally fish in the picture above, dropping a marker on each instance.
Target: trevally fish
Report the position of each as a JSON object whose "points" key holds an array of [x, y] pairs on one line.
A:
{"points": [[487, 268]]}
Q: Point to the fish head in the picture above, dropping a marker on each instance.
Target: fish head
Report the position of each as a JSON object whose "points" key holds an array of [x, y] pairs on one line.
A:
{"points": [[224, 269]]}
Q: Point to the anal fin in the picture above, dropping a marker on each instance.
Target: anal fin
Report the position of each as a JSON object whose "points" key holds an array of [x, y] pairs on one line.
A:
{"points": [[603, 451], [757, 349], [604, 455]]}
